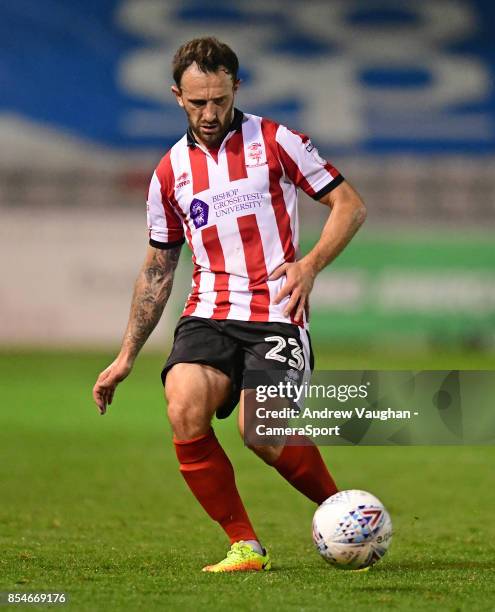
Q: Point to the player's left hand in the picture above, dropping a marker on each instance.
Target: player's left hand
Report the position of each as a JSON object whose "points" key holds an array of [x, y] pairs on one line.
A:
{"points": [[300, 279]]}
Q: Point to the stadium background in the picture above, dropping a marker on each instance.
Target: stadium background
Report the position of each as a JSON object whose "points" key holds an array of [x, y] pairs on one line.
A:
{"points": [[398, 95]]}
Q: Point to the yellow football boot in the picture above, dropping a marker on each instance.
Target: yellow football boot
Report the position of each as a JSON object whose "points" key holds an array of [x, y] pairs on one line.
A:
{"points": [[241, 558]]}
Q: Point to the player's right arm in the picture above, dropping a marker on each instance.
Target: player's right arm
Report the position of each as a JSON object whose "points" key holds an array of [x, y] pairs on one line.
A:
{"points": [[151, 292]]}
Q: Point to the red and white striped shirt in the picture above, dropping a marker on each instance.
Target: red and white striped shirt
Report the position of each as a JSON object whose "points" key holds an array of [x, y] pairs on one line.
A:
{"points": [[238, 213]]}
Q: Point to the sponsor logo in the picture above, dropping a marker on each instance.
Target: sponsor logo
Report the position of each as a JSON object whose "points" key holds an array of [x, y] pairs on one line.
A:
{"points": [[230, 202], [254, 154], [182, 180], [199, 213]]}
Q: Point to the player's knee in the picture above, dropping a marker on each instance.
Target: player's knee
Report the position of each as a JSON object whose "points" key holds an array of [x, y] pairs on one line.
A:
{"points": [[185, 421]]}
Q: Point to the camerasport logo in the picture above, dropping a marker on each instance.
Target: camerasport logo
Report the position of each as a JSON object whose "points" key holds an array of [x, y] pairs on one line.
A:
{"points": [[182, 180], [199, 213], [255, 154]]}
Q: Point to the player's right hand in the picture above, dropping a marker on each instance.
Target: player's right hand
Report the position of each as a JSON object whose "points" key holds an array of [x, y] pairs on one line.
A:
{"points": [[107, 382]]}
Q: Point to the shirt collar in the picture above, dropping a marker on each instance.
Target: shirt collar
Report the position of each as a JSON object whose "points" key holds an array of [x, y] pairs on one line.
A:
{"points": [[234, 127]]}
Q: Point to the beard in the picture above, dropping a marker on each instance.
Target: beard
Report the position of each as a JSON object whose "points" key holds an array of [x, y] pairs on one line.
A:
{"points": [[212, 134]]}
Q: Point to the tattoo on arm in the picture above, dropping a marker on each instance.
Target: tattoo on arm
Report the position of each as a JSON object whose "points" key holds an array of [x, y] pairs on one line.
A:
{"points": [[151, 293]]}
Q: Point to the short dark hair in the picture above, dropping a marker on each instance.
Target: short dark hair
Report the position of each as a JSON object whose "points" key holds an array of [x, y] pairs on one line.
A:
{"points": [[208, 53]]}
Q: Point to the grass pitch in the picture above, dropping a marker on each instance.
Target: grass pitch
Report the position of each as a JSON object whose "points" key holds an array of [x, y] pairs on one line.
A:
{"points": [[95, 506]]}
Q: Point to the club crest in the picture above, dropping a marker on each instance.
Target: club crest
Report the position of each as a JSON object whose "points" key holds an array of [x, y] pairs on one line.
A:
{"points": [[254, 155]]}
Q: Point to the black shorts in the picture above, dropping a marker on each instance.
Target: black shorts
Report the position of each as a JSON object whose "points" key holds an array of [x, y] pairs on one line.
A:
{"points": [[236, 346]]}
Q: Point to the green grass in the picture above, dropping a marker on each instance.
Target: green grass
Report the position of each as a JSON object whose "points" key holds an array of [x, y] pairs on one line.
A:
{"points": [[95, 506]]}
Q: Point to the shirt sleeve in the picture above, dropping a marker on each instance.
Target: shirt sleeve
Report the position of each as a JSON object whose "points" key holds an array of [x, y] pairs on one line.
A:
{"points": [[164, 224], [304, 166]]}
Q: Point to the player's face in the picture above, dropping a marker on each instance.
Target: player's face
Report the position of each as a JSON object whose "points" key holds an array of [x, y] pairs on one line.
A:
{"points": [[208, 99]]}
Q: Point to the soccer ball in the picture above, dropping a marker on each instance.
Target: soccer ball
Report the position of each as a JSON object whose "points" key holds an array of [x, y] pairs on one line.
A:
{"points": [[352, 529]]}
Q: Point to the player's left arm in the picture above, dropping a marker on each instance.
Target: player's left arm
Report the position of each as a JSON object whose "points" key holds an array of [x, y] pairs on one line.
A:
{"points": [[347, 214]]}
